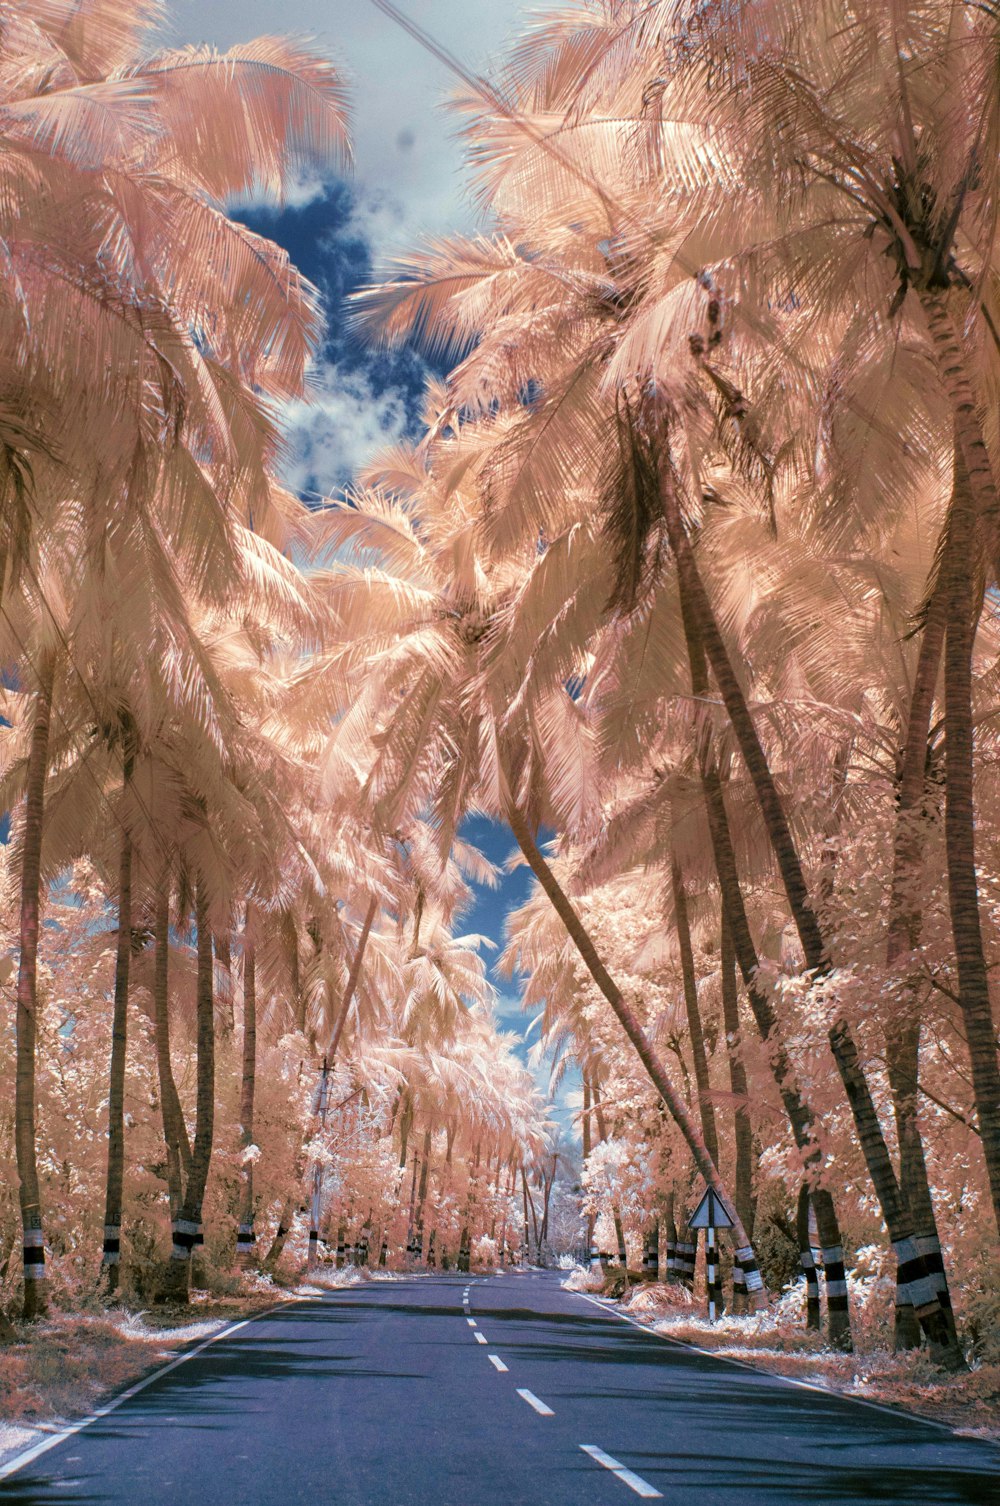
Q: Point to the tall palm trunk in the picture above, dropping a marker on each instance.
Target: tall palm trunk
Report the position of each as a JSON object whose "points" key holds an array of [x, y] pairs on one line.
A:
{"points": [[905, 925], [742, 1131], [111, 1259], [696, 1034], [963, 886], [187, 1226], [425, 1167], [174, 1129], [27, 999], [657, 1073], [806, 1258], [698, 611], [245, 1238], [353, 978], [738, 927]]}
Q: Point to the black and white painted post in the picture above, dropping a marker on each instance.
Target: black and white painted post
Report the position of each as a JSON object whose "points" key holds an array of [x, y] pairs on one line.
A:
{"points": [[711, 1215], [596, 1263], [320, 1105]]}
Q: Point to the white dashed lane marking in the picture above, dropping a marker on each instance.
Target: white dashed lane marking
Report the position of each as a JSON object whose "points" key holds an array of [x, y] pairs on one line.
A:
{"points": [[497, 1363], [479, 1338], [471, 1322], [534, 1403], [628, 1477]]}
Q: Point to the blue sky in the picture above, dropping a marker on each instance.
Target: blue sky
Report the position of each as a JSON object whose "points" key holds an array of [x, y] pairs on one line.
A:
{"points": [[408, 184]]}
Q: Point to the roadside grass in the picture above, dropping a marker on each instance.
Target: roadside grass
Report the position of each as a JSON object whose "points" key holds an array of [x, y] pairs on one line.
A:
{"points": [[62, 1368], [776, 1340]]}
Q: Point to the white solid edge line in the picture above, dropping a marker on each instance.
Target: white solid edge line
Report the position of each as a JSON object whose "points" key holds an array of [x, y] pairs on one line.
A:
{"points": [[497, 1362], [788, 1380], [627, 1476], [533, 1402], [479, 1337], [37, 1449]]}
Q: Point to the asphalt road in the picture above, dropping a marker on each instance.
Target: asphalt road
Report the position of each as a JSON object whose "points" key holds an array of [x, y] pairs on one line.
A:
{"points": [[404, 1394]]}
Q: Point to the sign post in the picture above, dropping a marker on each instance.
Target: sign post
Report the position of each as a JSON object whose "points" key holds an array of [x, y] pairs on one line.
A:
{"points": [[711, 1214]]}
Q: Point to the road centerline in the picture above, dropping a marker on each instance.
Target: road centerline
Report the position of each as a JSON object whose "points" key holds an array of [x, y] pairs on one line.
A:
{"points": [[534, 1403], [479, 1338], [497, 1363], [627, 1476]]}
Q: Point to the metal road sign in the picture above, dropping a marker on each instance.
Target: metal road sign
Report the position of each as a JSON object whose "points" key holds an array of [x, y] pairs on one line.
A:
{"points": [[711, 1213]]}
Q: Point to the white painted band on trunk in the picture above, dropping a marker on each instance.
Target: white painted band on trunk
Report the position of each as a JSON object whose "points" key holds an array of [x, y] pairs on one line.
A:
{"points": [[112, 1231], [180, 1252], [806, 1261], [33, 1239], [35, 1273], [923, 1292], [111, 1257], [745, 1254], [834, 1255], [836, 1288], [185, 1226]]}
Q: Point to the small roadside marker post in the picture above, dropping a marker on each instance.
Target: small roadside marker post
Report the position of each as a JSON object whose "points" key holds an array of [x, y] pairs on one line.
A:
{"points": [[711, 1214]]}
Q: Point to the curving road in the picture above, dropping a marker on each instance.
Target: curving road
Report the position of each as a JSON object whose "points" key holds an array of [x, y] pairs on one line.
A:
{"points": [[506, 1391]]}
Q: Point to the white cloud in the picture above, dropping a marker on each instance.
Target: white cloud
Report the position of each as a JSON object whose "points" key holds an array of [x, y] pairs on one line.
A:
{"points": [[405, 143], [344, 426]]}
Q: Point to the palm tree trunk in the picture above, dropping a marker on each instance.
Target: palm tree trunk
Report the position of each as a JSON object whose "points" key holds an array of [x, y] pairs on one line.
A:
{"points": [[742, 1131], [111, 1259], [905, 925], [33, 1246], [695, 1033], [700, 620], [806, 1259], [352, 980], [738, 926], [174, 1129], [187, 1226], [963, 885], [245, 1239], [425, 1167], [676, 1106]]}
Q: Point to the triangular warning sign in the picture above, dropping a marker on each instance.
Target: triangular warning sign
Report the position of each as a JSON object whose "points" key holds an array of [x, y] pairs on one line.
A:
{"points": [[711, 1213]]}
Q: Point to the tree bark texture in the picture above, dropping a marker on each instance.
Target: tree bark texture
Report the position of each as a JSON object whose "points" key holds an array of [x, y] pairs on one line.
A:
{"points": [[33, 1248]]}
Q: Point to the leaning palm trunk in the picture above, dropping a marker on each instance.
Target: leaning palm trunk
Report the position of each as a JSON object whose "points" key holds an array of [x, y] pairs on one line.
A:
{"points": [[187, 1226], [174, 1129], [742, 1132], [738, 926], [696, 1034], [913, 1270], [905, 925], [964, 607], [352, 981], [675, 1104], [245, 1238], [27, 999], [111, 1259]]}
